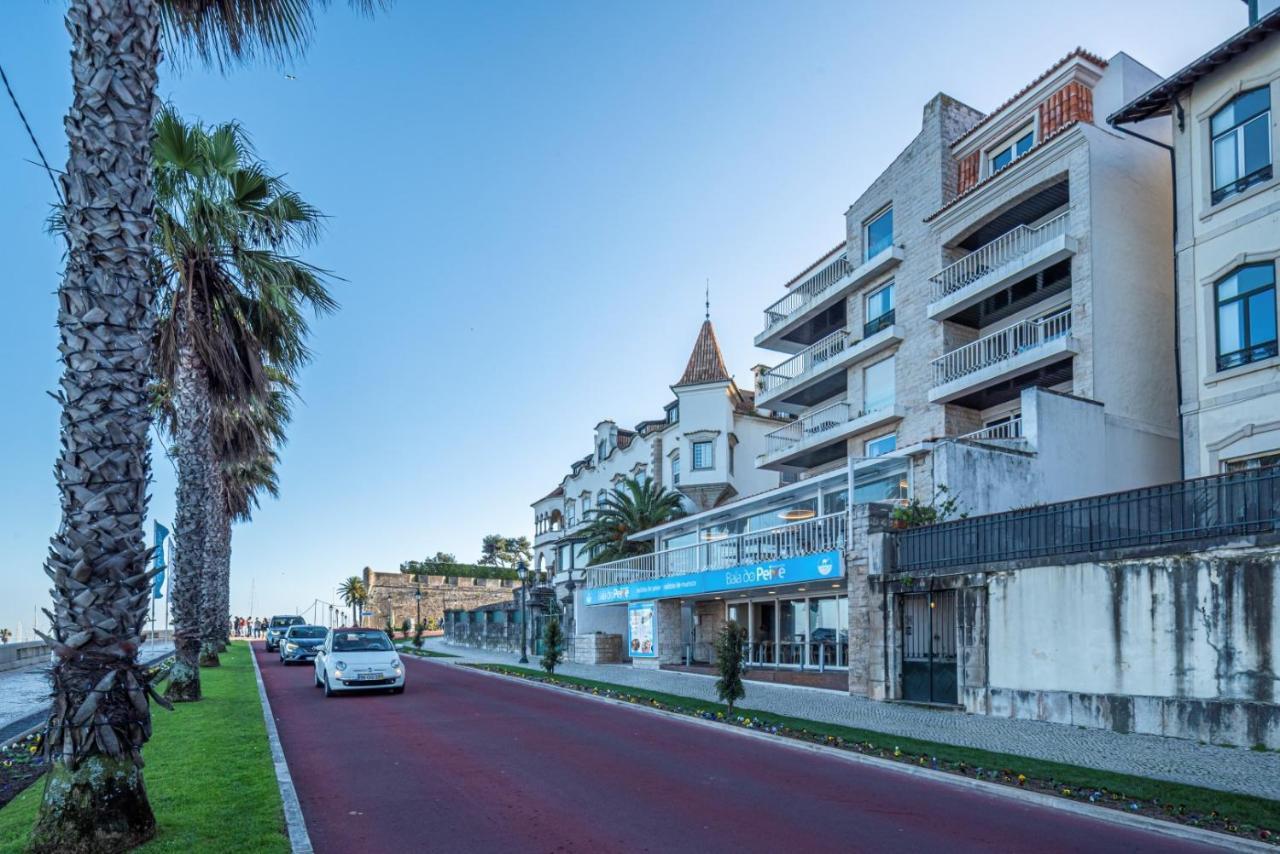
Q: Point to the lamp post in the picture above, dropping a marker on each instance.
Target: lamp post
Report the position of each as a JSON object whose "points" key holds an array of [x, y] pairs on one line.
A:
{"points": [[522, 572], [417, 596]]}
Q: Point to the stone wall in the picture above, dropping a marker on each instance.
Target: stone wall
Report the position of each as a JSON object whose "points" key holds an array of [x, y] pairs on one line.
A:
{"points": [[391, 594]]}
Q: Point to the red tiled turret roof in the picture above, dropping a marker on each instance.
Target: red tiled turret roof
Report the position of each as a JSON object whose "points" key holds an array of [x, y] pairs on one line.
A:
{"points": [[706, 364]]}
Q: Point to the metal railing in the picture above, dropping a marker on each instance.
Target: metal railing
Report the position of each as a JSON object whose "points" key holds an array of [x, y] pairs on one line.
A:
{"points": [[798, 538], [875, 324], [805, 292], [1011, 429], [1000, 346], [785, 373], [1218, 505], [1003, 249]]}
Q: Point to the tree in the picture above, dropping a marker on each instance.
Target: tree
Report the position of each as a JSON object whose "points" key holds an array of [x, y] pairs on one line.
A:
{"points": [[497, 550], [5, 634], [552, 645], [233, 294], [729, 641], [353, 594], [94, 797], [439, 564], [640, 505]]}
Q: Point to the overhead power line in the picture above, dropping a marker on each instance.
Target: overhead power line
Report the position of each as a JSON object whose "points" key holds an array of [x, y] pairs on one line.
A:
{"points": [[32, 135]]}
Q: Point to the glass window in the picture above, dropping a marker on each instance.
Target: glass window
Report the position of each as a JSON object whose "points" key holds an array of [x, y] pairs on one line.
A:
{"points": [[586, 506], [880, 302], [600, 496], [793, 631], [675, 469], [355, 641], [673, 415], [1241, 137], [679, 541], [879, 232], [835, 502], [877, 386], [893, 486], [1252, 463], [1012, 149], [1246, 314], [702, 455], [880, 445]]}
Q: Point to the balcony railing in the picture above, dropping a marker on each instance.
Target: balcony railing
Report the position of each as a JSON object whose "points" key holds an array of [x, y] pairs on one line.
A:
{"points": [[1000, 346], [998, 252], [1220, 505], [1011, 429], [811, 536], [805, 292], [778, 378], [875, 324]]}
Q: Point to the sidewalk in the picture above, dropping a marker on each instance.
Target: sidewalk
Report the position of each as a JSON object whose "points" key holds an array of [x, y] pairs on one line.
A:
{"points": [[1222, 768], [24, 694]]}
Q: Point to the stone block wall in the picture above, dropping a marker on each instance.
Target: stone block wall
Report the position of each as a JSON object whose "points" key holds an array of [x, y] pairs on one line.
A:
{"points": [[598, 648], [392, 594]]}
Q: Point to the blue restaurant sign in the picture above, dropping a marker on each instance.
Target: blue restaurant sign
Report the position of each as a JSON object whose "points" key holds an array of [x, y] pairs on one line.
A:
{"points": [[792, 570]]}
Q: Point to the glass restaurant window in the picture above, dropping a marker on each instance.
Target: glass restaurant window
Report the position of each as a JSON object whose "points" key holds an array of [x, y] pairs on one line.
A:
{"points": [[879, 232], [881, 445], [1241, 138], [702, 455], [1019, 145], [1246, 315], [893, 486]]}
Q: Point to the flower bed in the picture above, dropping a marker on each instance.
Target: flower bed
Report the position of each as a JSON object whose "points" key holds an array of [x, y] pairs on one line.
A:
{"points": [[1238, 815]]}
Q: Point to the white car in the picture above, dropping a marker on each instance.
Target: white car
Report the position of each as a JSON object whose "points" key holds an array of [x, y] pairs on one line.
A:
{"points": [[358, 660]]}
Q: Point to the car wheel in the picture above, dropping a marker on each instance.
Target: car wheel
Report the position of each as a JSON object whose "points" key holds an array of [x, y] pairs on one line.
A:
{"points": [[328, 689], [316, 677]]}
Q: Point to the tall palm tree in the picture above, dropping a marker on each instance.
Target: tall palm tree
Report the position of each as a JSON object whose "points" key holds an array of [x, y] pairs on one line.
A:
{"points": [[94, 797], [640, 505], [233, 294], [353, 594]]}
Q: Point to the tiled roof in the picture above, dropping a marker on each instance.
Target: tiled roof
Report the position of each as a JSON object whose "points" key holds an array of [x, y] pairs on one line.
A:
{"points": [[558, 492], [706, 364], [1155, 101], [1078, 53]]}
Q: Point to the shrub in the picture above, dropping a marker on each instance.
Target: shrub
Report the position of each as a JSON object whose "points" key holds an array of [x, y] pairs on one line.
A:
{"points": [[552, 645], [729, 687]]}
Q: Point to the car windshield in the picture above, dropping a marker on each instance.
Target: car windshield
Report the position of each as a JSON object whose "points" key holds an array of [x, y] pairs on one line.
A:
{"points": [[284, 622], [361, 642], [308, 632]]}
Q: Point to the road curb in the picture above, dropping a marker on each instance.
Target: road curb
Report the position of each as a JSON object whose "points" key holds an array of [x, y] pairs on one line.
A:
{"points": [[1141, 822], [299, 840]]}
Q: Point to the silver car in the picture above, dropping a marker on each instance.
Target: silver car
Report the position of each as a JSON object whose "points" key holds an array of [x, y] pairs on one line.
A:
{"points": [[278, 626], [301, 642]]}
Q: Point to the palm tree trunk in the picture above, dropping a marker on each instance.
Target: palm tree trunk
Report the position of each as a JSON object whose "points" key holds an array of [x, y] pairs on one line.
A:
{"points": [[194, 450], [211, 585], [94, 798]]}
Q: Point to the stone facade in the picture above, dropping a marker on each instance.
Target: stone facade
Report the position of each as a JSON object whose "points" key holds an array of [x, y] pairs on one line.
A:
{"points": [[392, 595]]}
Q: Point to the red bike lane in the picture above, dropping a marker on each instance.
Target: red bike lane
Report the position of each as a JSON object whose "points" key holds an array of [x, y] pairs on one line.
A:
{"points": [[466, 761]]}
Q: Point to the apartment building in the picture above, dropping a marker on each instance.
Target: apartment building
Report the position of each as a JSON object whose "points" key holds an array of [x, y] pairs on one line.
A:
{"points": [[1222, 115], [703, 447], [997, 320]]}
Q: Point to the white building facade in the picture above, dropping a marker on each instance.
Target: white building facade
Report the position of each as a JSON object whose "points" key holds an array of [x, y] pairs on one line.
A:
{"points": [[1222, 114]]}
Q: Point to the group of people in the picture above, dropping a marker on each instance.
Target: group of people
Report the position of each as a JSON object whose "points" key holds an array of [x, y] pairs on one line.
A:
{"points": [[249, 627]]}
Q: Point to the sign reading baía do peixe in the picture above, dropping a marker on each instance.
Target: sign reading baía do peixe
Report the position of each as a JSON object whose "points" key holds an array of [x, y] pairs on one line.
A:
{"points": [[792, 570]]}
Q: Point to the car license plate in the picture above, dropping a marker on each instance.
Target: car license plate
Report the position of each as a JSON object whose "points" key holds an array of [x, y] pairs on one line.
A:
{"points": [[363, 676]]}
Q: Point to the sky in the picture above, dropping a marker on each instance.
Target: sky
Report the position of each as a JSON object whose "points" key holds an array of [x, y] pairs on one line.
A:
{"points": [[524, 202]]}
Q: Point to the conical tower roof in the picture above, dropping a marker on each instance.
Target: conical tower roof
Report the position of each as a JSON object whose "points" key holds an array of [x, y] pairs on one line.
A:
{"points": [[706, 364]]}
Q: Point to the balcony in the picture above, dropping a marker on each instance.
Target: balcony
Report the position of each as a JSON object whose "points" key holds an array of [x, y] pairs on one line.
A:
{"points": [[811, 536], [818, 437], [1010, 258], [816, 372], [783, 321], [1024, 350], [1010, 430]]}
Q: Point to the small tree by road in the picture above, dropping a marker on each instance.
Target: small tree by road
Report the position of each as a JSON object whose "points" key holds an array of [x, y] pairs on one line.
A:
{"points": [[552, 645], [729, 687]]}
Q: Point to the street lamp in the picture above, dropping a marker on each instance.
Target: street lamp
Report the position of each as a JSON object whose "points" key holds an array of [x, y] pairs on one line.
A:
{"points": [[417, 596], [522, 571]]}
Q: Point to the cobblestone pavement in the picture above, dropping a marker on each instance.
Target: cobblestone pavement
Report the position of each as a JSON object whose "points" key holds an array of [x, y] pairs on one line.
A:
{"points": [[1228, 769], [24, 693]]}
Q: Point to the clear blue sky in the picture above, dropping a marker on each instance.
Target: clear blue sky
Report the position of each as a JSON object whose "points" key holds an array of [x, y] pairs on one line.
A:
{"points": [[525, 199]]}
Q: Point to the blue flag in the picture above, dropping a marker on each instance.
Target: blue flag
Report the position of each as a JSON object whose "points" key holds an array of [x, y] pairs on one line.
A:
{"points": [[157, 583]]}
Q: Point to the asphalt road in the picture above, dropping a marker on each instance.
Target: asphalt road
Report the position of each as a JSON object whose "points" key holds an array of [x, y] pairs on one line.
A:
{"points": [[465, 762]]}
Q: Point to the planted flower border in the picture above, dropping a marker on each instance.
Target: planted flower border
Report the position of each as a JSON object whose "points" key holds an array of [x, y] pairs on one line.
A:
{"points": [[887, 749], [22, 761]]}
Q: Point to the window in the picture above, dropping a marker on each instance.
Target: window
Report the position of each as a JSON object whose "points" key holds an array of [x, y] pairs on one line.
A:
{"points": [[675, 469], [1246, 310], [835, 502], [894, 487], [1252, 463], [878, 232], [1013, 148], [880, 446], [600, 496], [879, 310], [586, 506], [570, 513], [602, 449], [673, 414], [877, 386], [1241, 140], [702, 456]]}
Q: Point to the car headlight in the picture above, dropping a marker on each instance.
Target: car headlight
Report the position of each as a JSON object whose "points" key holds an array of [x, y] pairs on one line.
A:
{"points": [[290, 646], [340, 665], [396, 664]]}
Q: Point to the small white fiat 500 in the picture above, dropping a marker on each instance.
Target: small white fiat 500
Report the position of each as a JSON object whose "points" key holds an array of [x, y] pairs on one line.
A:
{"points": [[358, 660]]}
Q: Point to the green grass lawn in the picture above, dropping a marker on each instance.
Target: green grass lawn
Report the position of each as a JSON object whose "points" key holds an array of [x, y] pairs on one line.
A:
{"points": [[209, 773], [1182, 800]]}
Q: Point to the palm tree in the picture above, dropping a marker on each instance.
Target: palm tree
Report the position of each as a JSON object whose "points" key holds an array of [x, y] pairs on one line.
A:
{"points": [[94, 797], [640, 505], [233, 294], [353, 593]]}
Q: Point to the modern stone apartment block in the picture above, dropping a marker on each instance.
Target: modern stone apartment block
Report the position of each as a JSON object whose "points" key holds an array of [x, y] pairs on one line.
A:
{"points": [[1222, 114]]}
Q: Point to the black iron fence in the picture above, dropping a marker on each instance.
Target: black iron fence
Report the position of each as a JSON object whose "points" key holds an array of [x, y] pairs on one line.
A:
{"points": [[1243, 502]]}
